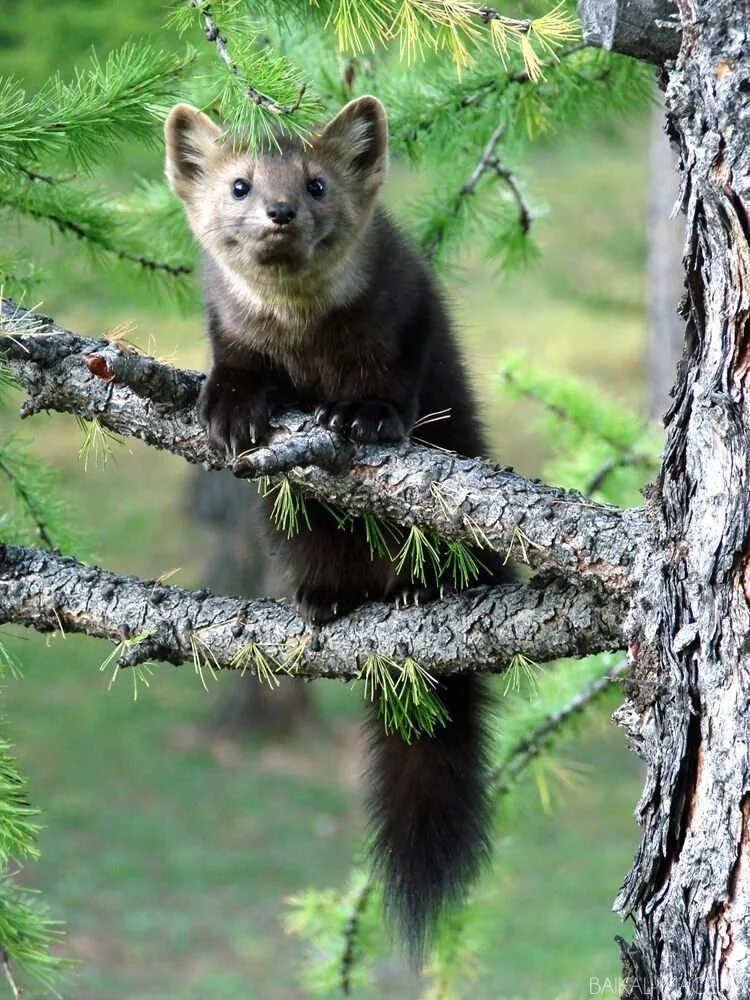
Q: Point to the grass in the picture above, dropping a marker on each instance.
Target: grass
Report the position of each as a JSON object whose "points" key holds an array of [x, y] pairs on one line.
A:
{"points": [[168, 853]]}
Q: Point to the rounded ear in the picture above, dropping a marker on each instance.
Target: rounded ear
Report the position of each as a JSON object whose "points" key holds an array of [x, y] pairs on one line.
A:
{"points": [[190, 137], [358, 138]]}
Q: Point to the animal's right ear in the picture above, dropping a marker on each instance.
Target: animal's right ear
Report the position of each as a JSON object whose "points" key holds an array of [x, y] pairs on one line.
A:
{"points": [[191, 140]]}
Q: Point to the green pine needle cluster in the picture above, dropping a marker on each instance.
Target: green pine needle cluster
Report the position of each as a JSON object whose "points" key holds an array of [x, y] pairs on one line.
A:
{"points": [[36, 514], [50, 142], [258, 92], [140, 673], [406, 694], [289, 511], [427, 557]]}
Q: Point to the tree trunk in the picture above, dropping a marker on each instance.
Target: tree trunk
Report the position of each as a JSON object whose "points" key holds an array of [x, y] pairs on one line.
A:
{"points": [[689, 715]]}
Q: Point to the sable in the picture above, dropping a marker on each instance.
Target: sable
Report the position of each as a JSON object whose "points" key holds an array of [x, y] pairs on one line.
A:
{"points": [[532, 523]]}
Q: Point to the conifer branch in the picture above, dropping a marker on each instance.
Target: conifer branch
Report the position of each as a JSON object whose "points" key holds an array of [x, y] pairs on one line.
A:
{"points": [[29, 502], [94, 229], [466, 499], [503, 776], [489, 162], [35, 176], [625, 454], [351, 932], [214, 34], [15, 988], [478, 630]]}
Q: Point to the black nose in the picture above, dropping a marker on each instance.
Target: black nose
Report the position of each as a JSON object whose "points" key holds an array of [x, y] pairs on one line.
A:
{"points": [[280, 212]]}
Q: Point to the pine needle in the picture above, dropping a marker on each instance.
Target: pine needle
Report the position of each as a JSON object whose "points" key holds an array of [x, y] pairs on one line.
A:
{"points": [[421, 555], [261, 664], [406, 696], [97, 443], [288, 508]]}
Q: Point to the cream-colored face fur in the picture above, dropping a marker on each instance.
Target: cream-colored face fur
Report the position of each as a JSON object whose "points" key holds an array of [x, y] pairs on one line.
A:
{"points": [[347, 160]]}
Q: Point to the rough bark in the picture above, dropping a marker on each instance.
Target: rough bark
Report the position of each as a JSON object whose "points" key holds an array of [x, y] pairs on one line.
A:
{"points": [[467, 499], [480, 630], [645, 29], [689, 714]]}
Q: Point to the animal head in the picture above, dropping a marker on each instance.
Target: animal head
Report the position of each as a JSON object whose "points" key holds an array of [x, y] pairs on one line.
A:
{"points": [[277, 212]]}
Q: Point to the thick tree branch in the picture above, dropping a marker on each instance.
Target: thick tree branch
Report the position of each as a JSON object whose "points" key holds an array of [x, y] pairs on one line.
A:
{"points": [[482, 629], [645, 29], [467, 499]]}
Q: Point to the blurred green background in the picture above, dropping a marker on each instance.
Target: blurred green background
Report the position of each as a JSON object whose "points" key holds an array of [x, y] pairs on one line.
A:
{"points": [[168, 853]]}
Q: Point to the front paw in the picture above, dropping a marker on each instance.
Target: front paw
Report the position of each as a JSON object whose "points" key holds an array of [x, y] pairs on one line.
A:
{"points": [[318, 605], [235, 414], [415, 592], [367, 422]]}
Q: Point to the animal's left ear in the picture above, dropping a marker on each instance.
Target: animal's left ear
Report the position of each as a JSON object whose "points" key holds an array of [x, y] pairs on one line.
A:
{"points": [[358, 138]]}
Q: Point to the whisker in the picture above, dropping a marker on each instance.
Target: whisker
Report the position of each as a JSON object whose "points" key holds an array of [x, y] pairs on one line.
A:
{"points": [[433, 418]]}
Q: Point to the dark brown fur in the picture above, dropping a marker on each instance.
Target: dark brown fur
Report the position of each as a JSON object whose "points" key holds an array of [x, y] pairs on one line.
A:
{"points": [[336, 313]]}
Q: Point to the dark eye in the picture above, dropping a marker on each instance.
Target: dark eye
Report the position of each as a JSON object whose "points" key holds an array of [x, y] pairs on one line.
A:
{"points": [[316, 187], [241, 188]]}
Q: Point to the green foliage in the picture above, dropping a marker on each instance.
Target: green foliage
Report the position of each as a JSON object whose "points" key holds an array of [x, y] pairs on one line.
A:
{"points": [[78, 125], [258, 92], [419, 555], [601, 448], [26, 933], [406, 694], [289, 508], [343, 930], [140, 673], [36, 513], [459, 27], [122, 98], [96, 446], [527, 727]]}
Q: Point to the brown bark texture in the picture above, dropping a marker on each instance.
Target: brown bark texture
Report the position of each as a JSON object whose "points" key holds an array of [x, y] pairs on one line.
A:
{"points": [[688, 893]]}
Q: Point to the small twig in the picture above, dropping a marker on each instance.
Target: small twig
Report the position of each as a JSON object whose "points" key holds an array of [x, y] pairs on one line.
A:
{"points": [[213, 34], [350, 935], [489, 162], [524, 211], [30, 505], [619, 462], [521, 76], [65, 225], [502, 776], [33, 175], [17, 991]]}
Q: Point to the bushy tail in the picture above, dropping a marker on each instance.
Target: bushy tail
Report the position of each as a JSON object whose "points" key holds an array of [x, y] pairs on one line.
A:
{"points": [[429, 808]]}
